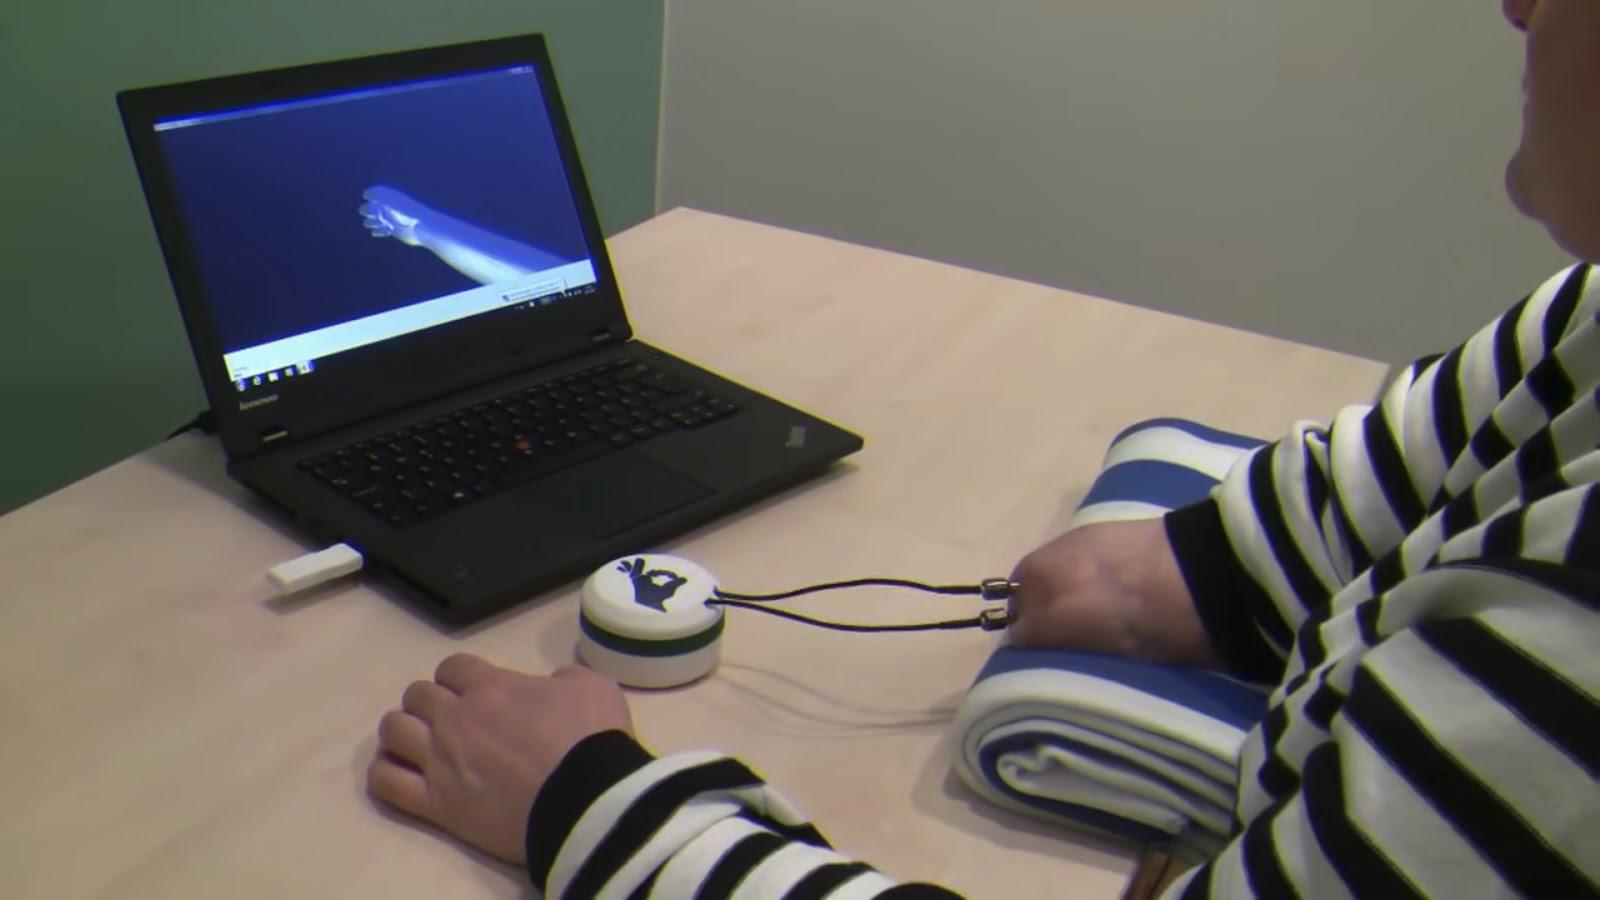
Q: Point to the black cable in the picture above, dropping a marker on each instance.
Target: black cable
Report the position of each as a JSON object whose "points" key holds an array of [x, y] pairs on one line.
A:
{"points": [[203, 422], [855, 583], [990, 620]]}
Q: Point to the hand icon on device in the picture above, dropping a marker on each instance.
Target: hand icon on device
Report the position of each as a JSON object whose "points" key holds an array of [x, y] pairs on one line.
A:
{"points": [[647, 590]]}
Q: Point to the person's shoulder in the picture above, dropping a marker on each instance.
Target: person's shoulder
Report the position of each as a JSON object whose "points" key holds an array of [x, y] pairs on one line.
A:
{"points": [[1568, 301]]}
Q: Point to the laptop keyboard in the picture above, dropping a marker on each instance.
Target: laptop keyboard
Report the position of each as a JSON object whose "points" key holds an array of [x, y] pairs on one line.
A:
{"points": [[422, 471]]}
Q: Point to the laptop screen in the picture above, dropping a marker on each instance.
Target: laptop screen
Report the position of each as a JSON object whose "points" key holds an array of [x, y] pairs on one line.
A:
{"points": [[325, 224]]}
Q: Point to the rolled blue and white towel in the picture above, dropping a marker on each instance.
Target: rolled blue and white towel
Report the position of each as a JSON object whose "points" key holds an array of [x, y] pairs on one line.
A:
{"points": [[1138, 751]]}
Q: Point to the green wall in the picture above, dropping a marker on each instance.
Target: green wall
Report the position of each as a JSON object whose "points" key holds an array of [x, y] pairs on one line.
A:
{"points": [[93, 361]]}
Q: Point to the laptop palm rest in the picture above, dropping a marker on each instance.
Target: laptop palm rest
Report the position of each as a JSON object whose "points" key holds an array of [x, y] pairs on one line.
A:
{"points": [[611, 495]]}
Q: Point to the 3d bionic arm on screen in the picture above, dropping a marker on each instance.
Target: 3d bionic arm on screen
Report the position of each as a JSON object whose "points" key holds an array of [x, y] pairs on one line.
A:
{"points": [[479, 254]]}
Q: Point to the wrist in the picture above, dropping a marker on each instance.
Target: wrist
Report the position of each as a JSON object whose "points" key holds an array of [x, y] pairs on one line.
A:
{"points": [[1167, 627], [593, 766], [1221, 592]]}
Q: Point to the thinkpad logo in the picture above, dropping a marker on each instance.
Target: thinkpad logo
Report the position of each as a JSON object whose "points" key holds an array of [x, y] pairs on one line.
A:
{"points": [[797, 437], [246, 405]]}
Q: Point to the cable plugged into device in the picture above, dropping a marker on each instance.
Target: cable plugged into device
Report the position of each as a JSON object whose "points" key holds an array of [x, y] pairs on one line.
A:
{"points": [[657, 621], [314, 569]]}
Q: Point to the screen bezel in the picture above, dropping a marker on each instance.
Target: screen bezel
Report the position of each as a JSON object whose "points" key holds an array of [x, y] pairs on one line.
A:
{"points": [[397, 373]]}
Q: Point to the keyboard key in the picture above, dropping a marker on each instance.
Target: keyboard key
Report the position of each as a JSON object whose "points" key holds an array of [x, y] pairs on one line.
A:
{"points": [[665, 383], [382, 503], [681, 401]]}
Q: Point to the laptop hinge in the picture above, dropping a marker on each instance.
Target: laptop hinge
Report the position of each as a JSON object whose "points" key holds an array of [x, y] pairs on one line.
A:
{"points": [[602, 336], [273, 435]]}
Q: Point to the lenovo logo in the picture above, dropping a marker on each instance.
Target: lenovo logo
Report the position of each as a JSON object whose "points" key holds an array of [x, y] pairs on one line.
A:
{"points": [[247, 405]]}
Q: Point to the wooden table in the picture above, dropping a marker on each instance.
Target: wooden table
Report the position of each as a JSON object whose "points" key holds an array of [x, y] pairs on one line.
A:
{"points": [[172, 731]]}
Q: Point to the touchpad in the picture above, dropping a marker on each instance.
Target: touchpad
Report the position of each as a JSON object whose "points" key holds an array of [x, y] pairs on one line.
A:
{"points": [[612, 495]]}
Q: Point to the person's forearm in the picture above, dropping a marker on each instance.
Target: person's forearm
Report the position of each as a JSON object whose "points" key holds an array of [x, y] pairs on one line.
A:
{"points": [[613, 818], [479, 254]]}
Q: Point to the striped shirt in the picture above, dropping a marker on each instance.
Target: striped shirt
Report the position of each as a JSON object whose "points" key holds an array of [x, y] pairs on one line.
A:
{"points": [[1420, 579]]}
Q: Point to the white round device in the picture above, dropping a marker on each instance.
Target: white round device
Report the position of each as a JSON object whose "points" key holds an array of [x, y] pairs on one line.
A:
{"points": [[644, 621]]}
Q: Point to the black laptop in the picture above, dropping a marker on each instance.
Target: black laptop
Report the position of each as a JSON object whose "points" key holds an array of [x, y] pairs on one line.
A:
{"points": [[411, 336]]}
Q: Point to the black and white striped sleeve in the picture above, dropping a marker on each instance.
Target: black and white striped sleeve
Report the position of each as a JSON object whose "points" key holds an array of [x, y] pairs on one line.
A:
{"points": [[614, 821], [1462, 759], [1295, 521]]}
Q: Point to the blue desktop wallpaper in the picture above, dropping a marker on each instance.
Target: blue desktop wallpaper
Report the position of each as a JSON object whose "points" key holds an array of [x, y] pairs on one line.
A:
{"points": [[277, 212]]}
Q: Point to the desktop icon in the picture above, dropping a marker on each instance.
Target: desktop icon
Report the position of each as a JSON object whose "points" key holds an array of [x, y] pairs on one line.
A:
{"points": [[272, 376], [257, 381], [306, 367], [241, 384]]}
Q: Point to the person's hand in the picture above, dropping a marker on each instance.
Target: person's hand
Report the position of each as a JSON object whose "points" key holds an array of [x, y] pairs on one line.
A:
{"points": [[469, 751], [1110, 588], [392, 213]]}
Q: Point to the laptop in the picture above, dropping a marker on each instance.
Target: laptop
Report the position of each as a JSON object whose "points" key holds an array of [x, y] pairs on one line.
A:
{"points": [[411, 337]]}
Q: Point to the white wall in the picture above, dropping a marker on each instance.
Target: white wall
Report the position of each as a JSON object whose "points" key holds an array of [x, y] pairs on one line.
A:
{"points": [[1330, 172]]}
